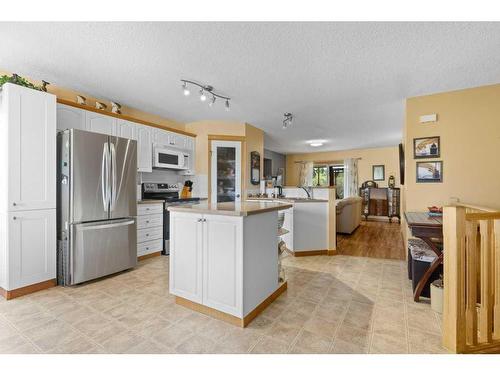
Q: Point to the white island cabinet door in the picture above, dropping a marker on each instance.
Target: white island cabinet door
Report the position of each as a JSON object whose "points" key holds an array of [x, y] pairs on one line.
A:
{"points": [[97, 123], [223, 263], [31, 127], [32, 247], [186, 256], [70, 117], [144, 148]]}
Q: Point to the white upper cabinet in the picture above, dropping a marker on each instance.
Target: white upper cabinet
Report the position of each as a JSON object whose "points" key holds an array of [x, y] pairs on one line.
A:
{"points": [[177, 140], [97, 123], [161, 137], [126, 129], [29, 131], [144, 148], [70, 117]]}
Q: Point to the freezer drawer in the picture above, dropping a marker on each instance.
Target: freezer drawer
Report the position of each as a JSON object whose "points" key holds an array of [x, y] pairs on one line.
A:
{"points": [[102, 248]]}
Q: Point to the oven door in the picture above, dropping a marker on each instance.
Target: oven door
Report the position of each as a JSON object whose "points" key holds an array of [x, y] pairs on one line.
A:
{"points": [[165, 158]]}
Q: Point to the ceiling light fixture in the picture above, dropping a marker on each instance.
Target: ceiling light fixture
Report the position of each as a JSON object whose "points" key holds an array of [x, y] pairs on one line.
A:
{"points": [[316, 143], [287, 121], [204, 91], [185, 89]]}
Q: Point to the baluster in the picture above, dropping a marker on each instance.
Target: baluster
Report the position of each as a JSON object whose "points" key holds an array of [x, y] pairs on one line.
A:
{"points": [[471, 282], [486, 309], [496, 309]]}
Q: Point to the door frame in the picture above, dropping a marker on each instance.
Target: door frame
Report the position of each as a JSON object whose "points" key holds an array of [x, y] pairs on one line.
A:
{"points": [[232, 138]]}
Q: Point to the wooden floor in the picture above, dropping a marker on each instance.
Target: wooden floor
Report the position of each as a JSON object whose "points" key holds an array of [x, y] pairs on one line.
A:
{"points": [[374, 239]]}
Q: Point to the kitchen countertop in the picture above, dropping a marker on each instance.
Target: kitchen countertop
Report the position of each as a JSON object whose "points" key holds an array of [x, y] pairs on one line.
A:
{"points": [[150, 201], [231, 208], [288, 200]]}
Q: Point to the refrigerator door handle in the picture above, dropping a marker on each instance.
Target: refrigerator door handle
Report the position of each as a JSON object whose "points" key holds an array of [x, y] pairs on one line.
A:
{"points": [[104, 177], [113, 176], [105, 226]]}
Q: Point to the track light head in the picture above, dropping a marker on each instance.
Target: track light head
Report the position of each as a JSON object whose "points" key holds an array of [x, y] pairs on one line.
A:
{"points": [[227, 105], [203, 97], [185, 89], [212, 101]]}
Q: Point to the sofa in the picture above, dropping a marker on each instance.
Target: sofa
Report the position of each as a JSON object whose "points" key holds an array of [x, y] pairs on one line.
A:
{"points": [[348, 212]]}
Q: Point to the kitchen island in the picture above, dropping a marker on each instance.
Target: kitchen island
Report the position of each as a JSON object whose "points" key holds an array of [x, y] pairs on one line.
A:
{"points": [[224, 258]]}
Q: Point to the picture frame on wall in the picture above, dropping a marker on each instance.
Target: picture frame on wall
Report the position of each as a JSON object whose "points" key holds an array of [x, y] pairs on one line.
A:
{"points": [[426, 147], [429, 171], [378, 173], [255, 168]]}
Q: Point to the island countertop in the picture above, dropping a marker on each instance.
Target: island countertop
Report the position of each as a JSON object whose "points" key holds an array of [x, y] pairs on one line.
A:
{"points": [[243, 208]]}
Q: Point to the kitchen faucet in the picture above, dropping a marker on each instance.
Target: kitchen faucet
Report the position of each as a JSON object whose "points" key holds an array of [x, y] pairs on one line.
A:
{"points": [[307, 191]]}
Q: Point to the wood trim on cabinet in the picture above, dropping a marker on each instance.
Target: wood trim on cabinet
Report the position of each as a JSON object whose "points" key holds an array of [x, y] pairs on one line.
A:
{"points": [[10, 294], [216, 137], [124, 117], [147, 256], [228, 318], [311, 253], [262, 306]]}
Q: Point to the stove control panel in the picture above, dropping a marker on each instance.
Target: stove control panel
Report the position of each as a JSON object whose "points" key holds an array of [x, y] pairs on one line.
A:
{"points": [[150, 187]]}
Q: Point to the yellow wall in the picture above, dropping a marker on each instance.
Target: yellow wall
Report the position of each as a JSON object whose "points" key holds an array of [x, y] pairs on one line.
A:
{"points": [[69, 94], [387, 156], [254, 142], [469, 127]]}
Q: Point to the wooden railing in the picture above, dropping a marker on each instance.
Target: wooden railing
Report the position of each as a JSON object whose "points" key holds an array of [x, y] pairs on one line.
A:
{"points": [[471, 311]]}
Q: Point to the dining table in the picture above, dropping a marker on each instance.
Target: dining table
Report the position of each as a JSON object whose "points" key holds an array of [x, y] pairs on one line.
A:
{"points": [[430, 230]]}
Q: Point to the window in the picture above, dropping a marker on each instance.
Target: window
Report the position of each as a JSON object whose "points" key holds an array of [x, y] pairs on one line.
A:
{"points": [[337, 179], [320, 175]]}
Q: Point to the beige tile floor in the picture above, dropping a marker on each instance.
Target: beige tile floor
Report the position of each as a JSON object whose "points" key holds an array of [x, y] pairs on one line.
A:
{"points": [[340, 304]]}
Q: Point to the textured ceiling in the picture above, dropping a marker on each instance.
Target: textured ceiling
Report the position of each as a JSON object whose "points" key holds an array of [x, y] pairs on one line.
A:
{"points": [[344, 82]]}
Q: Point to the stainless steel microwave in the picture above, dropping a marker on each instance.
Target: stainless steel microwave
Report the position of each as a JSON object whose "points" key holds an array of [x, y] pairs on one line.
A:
{"points": [[168, 158]]}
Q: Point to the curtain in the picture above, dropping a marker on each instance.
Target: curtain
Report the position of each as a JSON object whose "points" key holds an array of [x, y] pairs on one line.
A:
{"points": [[351, 177]]}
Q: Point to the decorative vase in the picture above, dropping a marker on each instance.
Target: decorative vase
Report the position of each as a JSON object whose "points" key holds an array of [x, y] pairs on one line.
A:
{"points": [[100, 105], [81, 99], [116, 108], [392, 181]]}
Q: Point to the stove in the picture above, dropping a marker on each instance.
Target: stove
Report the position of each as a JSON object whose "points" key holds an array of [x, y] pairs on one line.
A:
{"points": [[170, 194]]}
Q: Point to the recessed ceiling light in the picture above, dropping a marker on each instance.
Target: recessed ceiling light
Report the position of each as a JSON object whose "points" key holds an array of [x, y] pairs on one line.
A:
{"points": [[316, 143]]}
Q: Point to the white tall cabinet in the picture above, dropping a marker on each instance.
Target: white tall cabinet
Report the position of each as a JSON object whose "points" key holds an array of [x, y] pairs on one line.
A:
{"points": [[27, 187]]}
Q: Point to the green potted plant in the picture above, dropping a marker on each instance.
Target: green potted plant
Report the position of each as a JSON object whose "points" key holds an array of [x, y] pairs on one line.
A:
{"points": [[18, 80]]}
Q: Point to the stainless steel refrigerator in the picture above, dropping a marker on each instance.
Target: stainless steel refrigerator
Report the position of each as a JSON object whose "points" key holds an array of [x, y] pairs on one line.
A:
{"points": [[97, 205]]}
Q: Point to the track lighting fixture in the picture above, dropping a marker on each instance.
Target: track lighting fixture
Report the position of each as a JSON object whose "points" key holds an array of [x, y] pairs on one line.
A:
{"points": [[205, 91], [287, 121]]}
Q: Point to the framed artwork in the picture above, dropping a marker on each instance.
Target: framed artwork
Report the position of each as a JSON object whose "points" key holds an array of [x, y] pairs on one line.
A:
{"points": [[255, 168], [429, 171], [427, 147], [378, 173]]}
